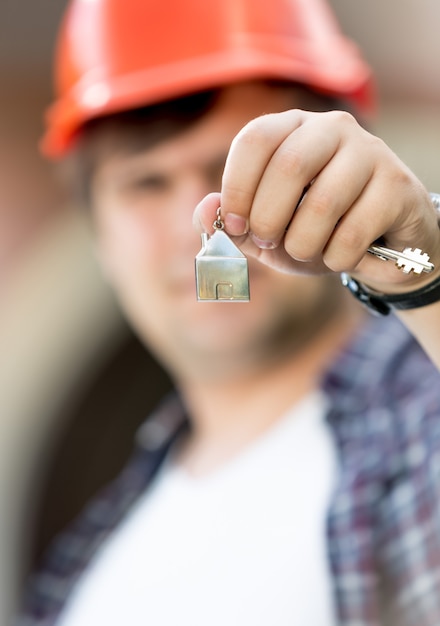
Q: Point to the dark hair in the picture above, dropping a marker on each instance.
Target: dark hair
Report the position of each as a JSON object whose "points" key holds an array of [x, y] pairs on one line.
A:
{"points": [[130, 131]]}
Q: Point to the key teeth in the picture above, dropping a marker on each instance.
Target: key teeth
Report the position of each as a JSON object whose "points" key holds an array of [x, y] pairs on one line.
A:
{"points": [[417, 252], [410, 260], [418, 257], [407, 267], [413, 251]]}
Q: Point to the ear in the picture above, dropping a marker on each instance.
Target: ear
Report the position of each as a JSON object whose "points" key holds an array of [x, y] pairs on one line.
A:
{"points": [[103, 257]]}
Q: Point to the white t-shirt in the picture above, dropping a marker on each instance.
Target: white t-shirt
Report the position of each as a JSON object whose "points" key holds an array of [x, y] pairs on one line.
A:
{"points": [[243, 546]]}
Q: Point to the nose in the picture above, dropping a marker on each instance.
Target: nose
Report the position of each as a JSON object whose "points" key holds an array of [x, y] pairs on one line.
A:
{"points": [[188, 197], [189, 194]]}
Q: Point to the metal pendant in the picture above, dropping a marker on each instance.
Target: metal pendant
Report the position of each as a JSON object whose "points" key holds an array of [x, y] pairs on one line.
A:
{"points": [[221, 268]]}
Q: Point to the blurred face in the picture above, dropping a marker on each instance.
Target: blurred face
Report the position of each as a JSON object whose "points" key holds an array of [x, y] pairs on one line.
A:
{"points": [[143, 204]]}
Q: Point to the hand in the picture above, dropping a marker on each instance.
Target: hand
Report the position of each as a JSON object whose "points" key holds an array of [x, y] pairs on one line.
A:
{"points": [[357, 190]]}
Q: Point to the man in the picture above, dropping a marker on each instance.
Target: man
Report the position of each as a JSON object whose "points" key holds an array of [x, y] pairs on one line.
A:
{"points": [[294, 478]]}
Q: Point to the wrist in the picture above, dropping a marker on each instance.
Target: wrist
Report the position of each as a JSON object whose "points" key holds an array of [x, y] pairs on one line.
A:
{"points": [[383, 303]]}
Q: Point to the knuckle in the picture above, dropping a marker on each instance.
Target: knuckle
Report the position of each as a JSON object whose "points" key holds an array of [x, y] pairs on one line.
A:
{"points": [[403, 178], [321, 202], [289, 161], [345, 250], [379, 149], [254, 133], [343, 118], [349, 239]]}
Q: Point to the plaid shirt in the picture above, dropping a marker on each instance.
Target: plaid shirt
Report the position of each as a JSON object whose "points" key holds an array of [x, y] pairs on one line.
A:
{"points": [[384, 522]]}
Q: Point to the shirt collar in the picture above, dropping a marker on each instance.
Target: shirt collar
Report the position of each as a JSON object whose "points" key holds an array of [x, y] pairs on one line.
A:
{"points": [[357, 371]]}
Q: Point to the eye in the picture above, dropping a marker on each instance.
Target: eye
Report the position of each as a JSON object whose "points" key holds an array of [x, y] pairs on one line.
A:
{"points": [[154, 183]]}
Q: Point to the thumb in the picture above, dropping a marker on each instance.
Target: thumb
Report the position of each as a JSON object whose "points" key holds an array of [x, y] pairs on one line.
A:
{"points": [[205, 213]]}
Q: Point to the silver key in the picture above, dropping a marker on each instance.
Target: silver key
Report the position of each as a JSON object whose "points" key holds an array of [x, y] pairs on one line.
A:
{"points": [[410, 260]]}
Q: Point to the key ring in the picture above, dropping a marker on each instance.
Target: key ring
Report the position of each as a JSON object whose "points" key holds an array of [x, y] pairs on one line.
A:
{"points": [[218, 223]]}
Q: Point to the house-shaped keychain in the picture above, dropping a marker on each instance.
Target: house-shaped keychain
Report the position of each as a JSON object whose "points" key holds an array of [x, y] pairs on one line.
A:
{"points": [[221, 270]]}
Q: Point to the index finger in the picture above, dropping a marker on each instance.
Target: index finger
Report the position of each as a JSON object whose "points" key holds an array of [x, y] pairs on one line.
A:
{"points": [[248, 156]]}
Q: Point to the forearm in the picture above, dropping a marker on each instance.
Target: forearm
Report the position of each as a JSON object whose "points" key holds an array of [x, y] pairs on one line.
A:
{"points": [[424, 324]]}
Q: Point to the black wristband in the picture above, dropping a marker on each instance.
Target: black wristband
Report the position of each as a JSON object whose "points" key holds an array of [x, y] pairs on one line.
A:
{"points": [[383, 304]]}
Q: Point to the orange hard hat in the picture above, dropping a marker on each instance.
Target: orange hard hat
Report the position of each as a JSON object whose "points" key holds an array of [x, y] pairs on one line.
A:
{"points": [[113, 55]]}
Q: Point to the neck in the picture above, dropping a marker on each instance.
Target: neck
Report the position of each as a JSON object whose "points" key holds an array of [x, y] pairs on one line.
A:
{"points": [[229, 412]]}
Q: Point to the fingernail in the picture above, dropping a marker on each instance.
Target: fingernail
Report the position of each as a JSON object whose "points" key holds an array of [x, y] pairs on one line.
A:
{"points": [[235, 224], [263, 243]]}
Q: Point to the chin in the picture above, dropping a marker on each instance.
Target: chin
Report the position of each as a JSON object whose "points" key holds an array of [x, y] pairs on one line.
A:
{"points": [[187, 335]]}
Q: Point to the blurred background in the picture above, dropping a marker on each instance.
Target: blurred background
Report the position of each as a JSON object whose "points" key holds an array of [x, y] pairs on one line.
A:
{"points": [[69, 366]]}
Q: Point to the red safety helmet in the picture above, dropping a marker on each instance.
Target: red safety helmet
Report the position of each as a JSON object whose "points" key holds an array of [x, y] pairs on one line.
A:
{"points": [[114, 55]]}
